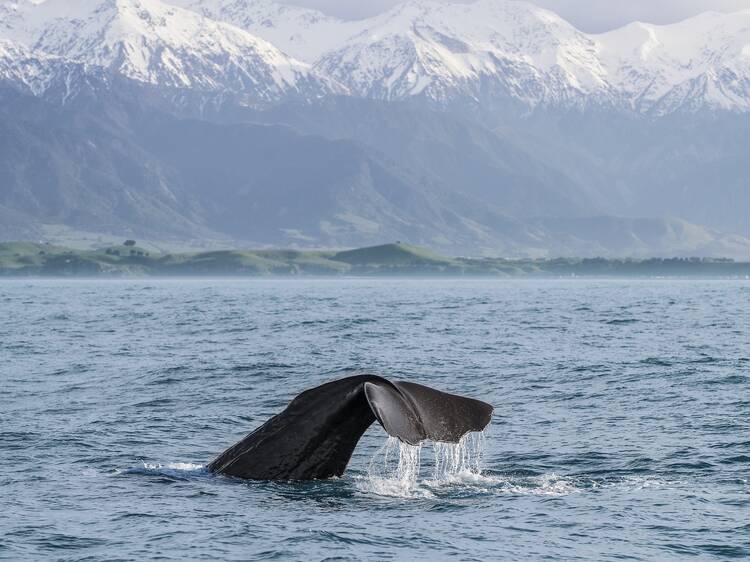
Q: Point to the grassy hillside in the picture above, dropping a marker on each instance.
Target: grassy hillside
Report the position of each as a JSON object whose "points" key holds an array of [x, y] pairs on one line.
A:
{"points": [[31, 259], [397, 254], [20, 255]]}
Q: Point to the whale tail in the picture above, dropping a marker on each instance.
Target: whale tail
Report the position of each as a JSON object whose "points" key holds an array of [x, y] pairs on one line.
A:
{"points": [[315, 436]]}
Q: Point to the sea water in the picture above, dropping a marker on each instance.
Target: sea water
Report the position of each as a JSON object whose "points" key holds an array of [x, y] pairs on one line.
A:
{"points": [[621, 426]]}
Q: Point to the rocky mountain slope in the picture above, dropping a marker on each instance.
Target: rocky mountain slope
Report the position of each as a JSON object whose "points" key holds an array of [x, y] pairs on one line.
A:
{"points": [[481, 128], [503, 48], [164, 46]]}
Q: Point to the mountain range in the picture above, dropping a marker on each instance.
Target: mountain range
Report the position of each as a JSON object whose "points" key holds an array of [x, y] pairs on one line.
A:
{"points": [[487, 128]]}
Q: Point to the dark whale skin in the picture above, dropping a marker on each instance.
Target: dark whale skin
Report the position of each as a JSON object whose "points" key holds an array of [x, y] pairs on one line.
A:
{"points": [[315, 436]]}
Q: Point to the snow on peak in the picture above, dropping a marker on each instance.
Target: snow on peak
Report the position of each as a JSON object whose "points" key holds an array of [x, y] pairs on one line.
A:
{"points": [[157, 43], [35, 72], [18, 66], [481, 52], [441, 50], [699, 61], [513, 49]]}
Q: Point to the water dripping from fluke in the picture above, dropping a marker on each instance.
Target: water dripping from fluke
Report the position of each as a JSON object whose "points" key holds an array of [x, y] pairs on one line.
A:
{"points": [[457, 461], [396, 468]]}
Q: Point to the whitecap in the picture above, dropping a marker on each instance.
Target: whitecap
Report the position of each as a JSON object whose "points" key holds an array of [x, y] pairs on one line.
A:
{"points": [[172, 469]]}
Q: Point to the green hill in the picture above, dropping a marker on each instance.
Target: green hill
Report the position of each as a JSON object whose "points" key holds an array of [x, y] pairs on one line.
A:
{"points": [[19, 255], [397, 254], [30, 259]]}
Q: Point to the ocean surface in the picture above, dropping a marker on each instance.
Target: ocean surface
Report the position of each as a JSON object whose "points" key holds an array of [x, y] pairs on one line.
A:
{"points": [[621, 427]]}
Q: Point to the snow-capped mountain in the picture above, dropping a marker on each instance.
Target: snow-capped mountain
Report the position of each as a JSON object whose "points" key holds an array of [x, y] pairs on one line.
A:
{"points": [[489, 52], [488, 48], [350, 166], [702, 62], [492, 49], [163, 45]]}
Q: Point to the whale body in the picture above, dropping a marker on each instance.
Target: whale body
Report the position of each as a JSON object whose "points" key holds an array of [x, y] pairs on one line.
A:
{"points": [[315, 436]]}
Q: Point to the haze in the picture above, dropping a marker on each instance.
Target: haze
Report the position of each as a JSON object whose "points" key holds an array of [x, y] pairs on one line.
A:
{"points": [[588, 16]]}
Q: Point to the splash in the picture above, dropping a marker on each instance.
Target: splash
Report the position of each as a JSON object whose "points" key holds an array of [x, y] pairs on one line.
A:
{"points": [[396, 468], [543, 485], [171, 470], [176, 466]]}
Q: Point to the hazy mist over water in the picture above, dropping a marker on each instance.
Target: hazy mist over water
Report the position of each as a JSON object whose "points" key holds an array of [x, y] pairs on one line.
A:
{"points": [[620, 427]]}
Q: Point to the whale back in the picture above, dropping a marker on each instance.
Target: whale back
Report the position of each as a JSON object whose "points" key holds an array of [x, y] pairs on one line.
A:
{"points": [[313, 438]]}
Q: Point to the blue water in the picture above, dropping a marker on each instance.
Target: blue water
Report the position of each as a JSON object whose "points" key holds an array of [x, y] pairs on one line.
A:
{"points": [[621, 427]]}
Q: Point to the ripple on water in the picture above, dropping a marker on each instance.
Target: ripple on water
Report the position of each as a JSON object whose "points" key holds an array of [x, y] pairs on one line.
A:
{"points": [[620, 428]]}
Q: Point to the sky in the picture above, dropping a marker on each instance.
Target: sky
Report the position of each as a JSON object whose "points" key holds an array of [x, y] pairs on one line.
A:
{"points": [[588, 15]]}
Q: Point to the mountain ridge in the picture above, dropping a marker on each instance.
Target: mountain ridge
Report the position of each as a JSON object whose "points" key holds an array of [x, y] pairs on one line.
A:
{"points": [[443, 52], [164, 45], [471, 128]]}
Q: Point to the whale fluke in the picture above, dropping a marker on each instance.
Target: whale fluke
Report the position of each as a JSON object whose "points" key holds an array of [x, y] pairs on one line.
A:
{"points": [[315, 436], [413, 412]]}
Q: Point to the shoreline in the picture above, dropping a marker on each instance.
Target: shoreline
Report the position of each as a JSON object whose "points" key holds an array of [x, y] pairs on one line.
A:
{"points": [[26, 260]]}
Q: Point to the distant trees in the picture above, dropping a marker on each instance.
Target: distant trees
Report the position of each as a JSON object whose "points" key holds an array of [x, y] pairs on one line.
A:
{"points": [[134, 252], [129, 243]]}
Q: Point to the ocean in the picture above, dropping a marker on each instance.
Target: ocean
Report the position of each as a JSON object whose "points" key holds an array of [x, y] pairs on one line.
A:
{"points": [[621, 428]]}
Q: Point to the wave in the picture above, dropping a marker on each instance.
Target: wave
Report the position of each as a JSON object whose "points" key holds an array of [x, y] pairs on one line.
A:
{"points": [[455, 472], [396, 470], [175, 470], [450, 472]]}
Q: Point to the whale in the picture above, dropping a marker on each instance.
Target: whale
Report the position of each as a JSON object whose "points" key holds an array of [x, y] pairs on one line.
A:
{"points": [[315, 436]]}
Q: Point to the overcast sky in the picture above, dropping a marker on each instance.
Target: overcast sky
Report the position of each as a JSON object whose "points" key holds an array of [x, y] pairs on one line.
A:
{"points": [[588, 15]]}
